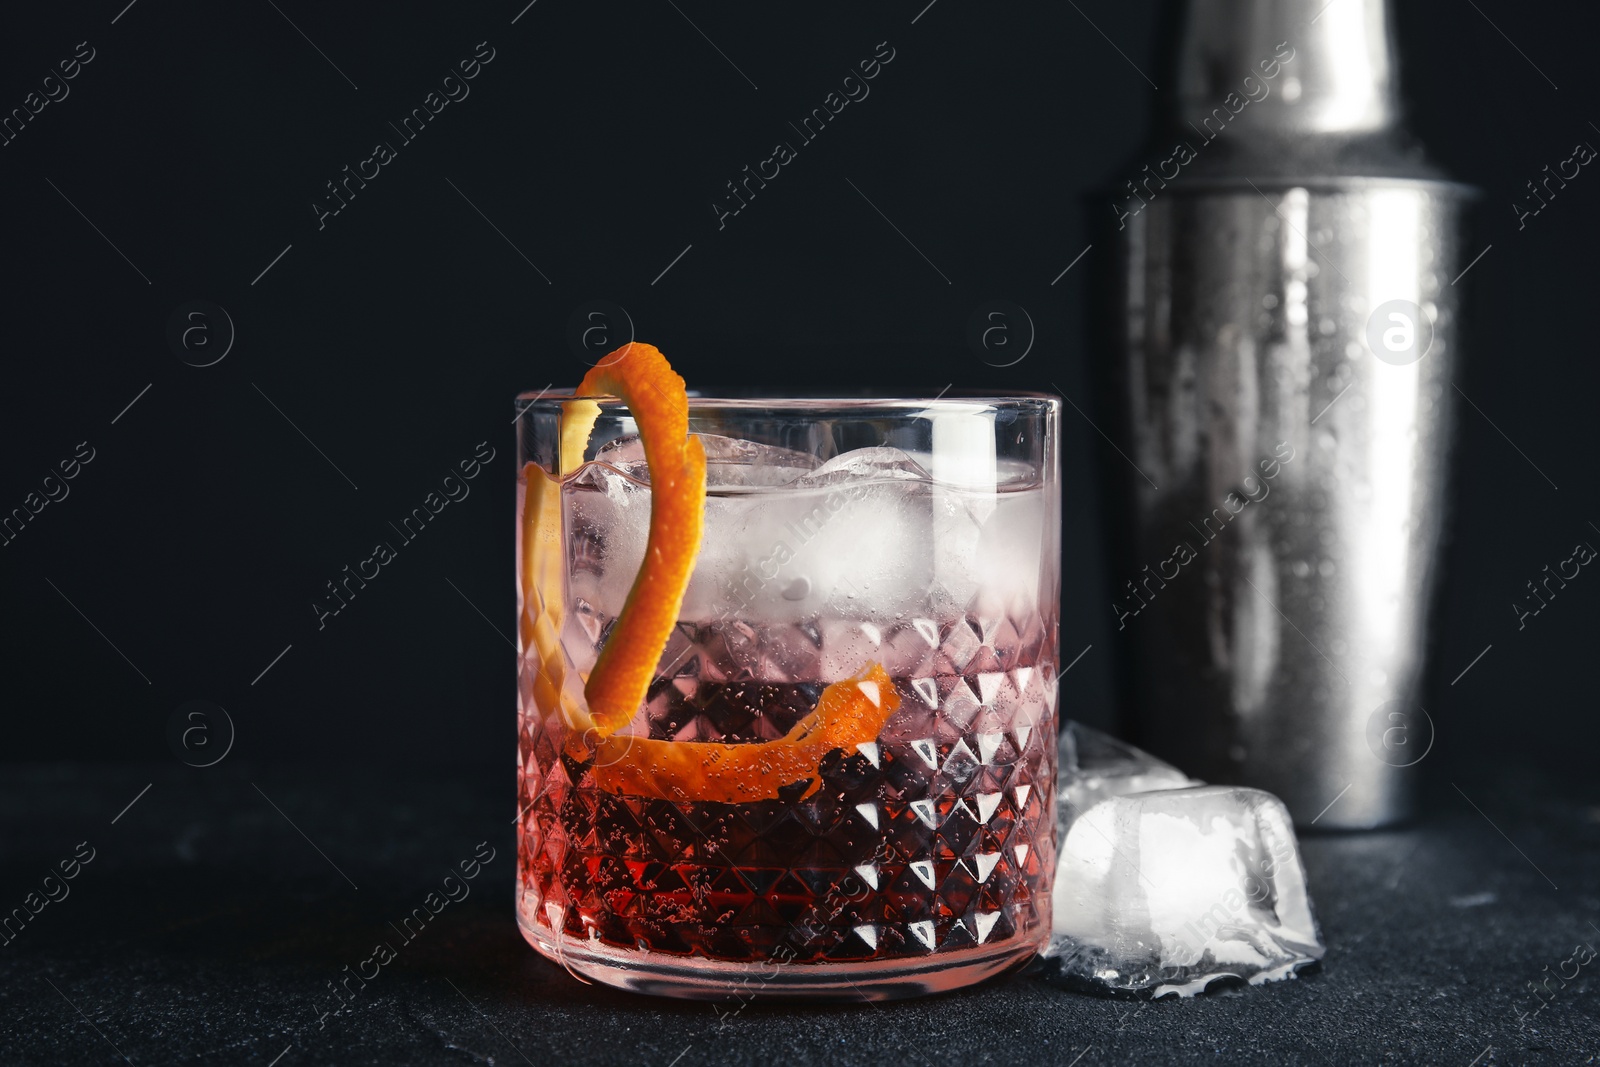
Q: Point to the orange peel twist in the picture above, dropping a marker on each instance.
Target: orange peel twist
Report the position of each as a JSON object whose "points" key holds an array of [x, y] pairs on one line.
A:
{"points": [[639, 375], [849, 713]]}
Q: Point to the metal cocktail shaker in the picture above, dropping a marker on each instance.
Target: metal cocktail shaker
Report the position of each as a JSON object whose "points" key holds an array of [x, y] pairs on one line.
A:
{"points": [[1282, 330]]}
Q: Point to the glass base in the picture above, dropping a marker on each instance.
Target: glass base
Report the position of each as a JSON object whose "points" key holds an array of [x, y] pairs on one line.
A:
{"points": [[701, 979]]}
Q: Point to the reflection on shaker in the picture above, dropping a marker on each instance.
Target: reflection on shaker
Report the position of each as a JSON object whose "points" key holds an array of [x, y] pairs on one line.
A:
{"points": [[1289, 284]]}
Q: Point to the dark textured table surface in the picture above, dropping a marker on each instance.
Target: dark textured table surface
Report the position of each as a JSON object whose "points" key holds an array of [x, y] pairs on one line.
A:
{"points": [[218, 908]]}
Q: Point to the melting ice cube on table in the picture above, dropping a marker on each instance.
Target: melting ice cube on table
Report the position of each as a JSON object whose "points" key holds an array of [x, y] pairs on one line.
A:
{"points": [[1164, 885], [1094, 766]]}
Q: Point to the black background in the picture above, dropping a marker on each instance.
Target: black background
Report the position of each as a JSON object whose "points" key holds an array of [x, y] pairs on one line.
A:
{"points": [[596, 140]]}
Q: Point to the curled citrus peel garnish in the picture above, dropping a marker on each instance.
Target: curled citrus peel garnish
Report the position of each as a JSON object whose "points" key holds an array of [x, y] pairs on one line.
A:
{"points": [[848, 714], [639, 375], [543, 580]]}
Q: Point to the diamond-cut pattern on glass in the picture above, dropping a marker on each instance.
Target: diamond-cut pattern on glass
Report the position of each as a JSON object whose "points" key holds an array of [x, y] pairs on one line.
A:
{"points": [[935, 838]]}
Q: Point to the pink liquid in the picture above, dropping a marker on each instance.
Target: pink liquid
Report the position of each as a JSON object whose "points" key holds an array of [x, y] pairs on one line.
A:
{"points": [[935, 841]]}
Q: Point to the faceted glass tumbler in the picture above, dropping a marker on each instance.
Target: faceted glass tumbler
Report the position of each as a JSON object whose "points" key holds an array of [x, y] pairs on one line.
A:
{"points": [[919, 536]]}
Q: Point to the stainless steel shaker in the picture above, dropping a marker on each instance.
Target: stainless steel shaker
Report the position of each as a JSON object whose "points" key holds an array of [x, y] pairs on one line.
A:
{"points": [[1278, 353]]}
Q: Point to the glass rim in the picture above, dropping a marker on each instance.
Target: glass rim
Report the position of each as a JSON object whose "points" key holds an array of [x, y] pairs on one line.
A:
{"points": [[796, 403]]}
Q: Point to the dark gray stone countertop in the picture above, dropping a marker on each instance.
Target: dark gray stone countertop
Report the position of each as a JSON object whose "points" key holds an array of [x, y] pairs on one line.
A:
{"points": [[218, 907]]}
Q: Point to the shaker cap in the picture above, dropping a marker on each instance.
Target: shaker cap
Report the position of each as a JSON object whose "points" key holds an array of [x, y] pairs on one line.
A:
{"points": [[1305, 66]]}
